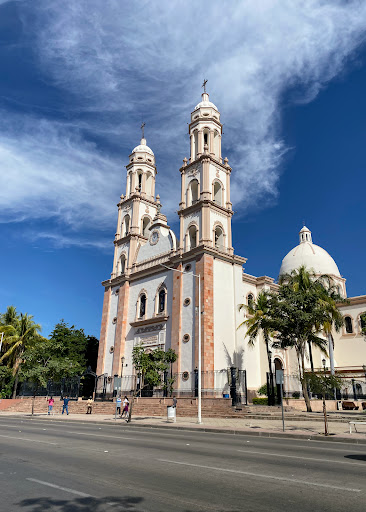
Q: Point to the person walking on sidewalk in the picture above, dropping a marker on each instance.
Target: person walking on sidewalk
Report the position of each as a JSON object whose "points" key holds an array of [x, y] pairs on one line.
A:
{"points": [[50, 405], [126, 403], [65, 406], [89, 406]]}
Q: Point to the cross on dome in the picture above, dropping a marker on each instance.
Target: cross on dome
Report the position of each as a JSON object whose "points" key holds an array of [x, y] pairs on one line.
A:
{"points": [[204, 85], [143, 129]]}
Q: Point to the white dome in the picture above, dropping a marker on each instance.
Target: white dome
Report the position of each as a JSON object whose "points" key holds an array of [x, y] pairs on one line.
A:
{"points": [[142, 148], [310, 255], [205, 102]]}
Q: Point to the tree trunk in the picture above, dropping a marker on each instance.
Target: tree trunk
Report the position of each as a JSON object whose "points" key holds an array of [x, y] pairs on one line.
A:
{"points": [[271, 397], [304, 386], [15, 383]]}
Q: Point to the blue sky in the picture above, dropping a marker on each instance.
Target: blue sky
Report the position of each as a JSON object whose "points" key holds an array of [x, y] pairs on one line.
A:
{"points": [[79, 77]]}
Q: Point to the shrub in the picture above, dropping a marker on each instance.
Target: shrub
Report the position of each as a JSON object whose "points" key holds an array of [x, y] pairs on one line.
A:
{"points": [[263, 390], [260, 401]]}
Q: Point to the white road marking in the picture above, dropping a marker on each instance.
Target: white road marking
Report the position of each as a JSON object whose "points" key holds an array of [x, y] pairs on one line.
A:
{"points": [[26, 439], [99, 435], [304, 458], [54, 486], [258, 475]]}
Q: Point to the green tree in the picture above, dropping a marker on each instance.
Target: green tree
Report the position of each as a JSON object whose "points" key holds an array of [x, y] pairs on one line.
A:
{"points": [[43, 362], [150, 367], [324, 384], [260, 322], [72, 342], [20, 334], [363, 323], [303, 309]]}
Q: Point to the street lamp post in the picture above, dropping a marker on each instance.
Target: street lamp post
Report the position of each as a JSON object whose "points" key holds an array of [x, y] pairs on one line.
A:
{"points": [[199, 413]]}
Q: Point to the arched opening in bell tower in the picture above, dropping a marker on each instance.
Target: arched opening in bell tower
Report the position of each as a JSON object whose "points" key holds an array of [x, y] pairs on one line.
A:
{"points": [[126, 225], [192, 192], [217, 193], [192, 237], [219, 238], [145, 226]]}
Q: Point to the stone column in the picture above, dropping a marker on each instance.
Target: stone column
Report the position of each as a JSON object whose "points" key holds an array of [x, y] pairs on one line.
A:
{"points": [[121, 327]]}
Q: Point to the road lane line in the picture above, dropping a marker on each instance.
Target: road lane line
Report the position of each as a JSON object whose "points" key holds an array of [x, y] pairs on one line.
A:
{"points": [[54, 486], [257, 475], [26, 439], [305, 458], [98, 435]]}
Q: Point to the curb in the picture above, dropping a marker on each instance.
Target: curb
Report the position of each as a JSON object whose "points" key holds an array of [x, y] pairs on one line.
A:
{"points": [[311, 437]]}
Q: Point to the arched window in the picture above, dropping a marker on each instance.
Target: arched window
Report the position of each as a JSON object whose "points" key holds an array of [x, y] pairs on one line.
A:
{"points": [[348, 324], [192, 237], [126, 225], [216, 144], [139, 176], [205, 138], [122, 264], [162, 301], [149, 184], [250, 299], [142, 308], [219, 238], [145, 226], [217, 193], [192, 192]]}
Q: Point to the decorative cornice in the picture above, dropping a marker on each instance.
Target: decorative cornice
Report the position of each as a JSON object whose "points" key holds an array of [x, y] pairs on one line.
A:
{"points": [[148, 321], [206, 157], [353, 301], [204, 202]]}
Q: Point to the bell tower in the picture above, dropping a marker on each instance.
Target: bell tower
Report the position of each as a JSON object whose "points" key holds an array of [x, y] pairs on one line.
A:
{"points": [[205, 208], [137, 208]]}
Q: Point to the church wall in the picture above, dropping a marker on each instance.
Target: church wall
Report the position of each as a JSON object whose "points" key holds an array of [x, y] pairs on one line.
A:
{"points": [[224, 314], [350, 349], [187, 350], [150, 285], [113, 310]]}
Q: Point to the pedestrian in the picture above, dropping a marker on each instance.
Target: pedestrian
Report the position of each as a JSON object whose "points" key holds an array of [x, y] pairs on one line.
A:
{"points": [[50, 405], [175, 402], [89, 405], [126, 403], [118, 405], [65, 406]]}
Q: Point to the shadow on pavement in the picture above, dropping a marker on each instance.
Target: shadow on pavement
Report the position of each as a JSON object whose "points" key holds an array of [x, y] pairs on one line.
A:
{"points": [[358, 456], [82, 504]]}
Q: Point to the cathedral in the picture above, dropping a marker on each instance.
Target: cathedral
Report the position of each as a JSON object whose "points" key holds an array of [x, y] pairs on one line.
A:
{"points": [[165, 288]]}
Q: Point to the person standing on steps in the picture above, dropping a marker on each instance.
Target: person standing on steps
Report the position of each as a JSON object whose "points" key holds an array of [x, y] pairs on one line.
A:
{"points": [[175, 402], [50, 405], [89, 406], [65, 406]]}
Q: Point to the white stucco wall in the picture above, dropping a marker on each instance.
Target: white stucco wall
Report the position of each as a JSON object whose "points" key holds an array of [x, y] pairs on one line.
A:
{"points": [[111, 331]]}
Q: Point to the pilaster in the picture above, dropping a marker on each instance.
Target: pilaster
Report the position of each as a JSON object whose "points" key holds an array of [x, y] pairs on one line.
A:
{"points": [[103, 330], [121, 327]]}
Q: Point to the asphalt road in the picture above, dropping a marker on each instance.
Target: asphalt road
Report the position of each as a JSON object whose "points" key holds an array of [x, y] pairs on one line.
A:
{"points": [[69, 466]]}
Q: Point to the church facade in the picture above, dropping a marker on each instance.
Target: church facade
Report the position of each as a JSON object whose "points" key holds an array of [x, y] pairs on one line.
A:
{"points": [[152, 296]]}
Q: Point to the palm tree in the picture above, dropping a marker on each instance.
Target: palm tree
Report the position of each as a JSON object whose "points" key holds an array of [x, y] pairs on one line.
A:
{"points": [[17, 339], [306, 307], [260, 321]]}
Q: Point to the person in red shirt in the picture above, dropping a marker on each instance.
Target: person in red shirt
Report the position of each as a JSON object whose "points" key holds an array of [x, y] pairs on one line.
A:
{"points": [[50, 405]]}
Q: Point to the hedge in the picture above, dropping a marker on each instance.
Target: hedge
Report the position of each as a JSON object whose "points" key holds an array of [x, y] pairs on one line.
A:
{"points": [[260, 401]]}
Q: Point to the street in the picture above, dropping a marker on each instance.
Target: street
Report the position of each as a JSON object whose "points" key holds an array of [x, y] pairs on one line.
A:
{"points": [[68, 466]]}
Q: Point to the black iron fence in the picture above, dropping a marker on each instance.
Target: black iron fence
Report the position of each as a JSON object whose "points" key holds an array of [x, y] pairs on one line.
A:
{"points": [[227, 383]]}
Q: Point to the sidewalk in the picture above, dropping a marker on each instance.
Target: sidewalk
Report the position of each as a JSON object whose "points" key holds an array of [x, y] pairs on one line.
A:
{"points": [[258, 427]]}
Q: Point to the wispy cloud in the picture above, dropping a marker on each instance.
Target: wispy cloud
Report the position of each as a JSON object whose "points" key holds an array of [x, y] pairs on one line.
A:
{"points": [[123, 62]]}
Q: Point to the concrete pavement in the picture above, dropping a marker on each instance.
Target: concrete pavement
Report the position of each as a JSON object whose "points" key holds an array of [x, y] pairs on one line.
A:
{"points": [[66, 465]]}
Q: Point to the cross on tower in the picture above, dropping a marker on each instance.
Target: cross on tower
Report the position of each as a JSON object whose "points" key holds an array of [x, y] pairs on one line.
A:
{"points": [[204, 85], [142, 128]]}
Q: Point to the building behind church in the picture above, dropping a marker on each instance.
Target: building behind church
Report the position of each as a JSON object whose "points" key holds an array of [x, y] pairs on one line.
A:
{"points": [[152, 295]]}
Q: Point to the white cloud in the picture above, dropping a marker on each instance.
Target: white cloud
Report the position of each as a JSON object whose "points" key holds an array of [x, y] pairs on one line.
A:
{"points": [[124, 61]]}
